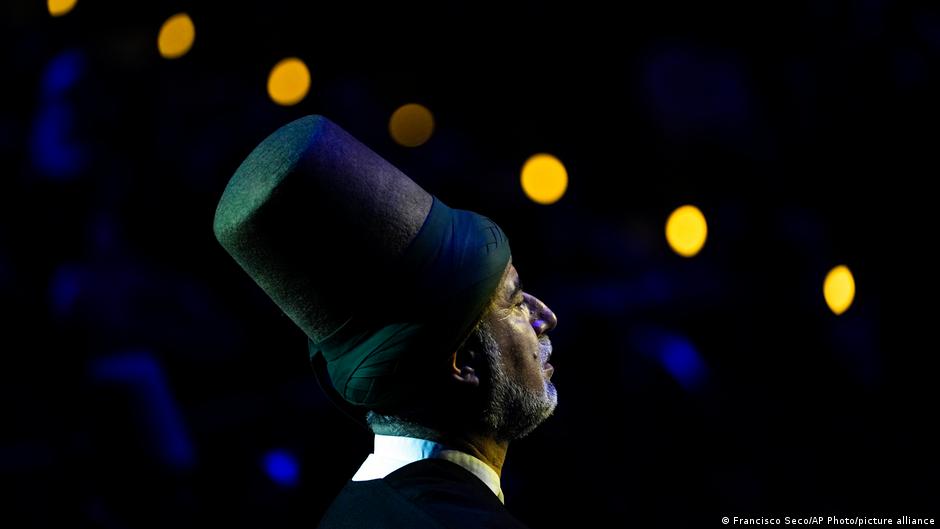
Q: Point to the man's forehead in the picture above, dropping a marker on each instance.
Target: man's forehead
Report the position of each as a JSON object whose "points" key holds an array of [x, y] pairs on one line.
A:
{"points": [[511, 280]]}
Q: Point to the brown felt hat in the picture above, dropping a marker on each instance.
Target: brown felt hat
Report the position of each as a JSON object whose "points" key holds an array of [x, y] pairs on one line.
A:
{"points": [[382, 277]]}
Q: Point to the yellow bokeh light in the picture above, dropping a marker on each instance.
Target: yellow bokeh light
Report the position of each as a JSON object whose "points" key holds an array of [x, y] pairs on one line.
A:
{"points": [[839, 289], [686, 230], [58, 8], [289, 81], [544, 179], [176, 36], [411, 125]]}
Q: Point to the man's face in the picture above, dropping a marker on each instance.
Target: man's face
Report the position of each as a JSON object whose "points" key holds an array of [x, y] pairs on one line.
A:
{"points": [[522, 393]]}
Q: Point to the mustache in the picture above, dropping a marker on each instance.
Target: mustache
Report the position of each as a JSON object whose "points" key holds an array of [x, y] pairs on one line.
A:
{"points": [[545, 349]]}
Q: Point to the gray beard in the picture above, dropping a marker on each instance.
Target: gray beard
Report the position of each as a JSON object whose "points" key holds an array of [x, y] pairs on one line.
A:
{"points": [[513, 410]]}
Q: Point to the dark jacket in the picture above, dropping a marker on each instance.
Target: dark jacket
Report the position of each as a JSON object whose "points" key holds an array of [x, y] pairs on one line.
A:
{"points": [[431, 493]]}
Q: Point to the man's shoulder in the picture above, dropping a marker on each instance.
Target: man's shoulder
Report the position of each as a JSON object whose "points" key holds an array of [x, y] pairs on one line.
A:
{"points": [[374, 503], [430, 493]]}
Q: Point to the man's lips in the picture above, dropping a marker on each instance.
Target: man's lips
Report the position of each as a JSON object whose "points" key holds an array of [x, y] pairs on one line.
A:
{"points": [[548, 369], [545, 351]]}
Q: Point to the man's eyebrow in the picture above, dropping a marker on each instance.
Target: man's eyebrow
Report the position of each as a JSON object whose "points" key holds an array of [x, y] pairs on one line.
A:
{"points": [[516, 289]]}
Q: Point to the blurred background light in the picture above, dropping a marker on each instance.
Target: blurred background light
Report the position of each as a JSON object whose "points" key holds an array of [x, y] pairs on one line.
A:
{"points": [[544, 179], [281, 466], [143, 377], [176, 36], [58, 8], [54, 147], [53, 151], [686, 230], [839, 289], [62, 74], [682, 361], [65, 288], [289, 81], [411, 125], [675, 353], [693, 91]]}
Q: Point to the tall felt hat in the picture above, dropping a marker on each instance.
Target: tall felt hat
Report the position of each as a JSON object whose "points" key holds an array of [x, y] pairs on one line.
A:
{"points": [[384, 279]]}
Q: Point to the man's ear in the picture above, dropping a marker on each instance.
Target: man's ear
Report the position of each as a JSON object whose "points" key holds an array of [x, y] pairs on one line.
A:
{"points": [[461, 369]]}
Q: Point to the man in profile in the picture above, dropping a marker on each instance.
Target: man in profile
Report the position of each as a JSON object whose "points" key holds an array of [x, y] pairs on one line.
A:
{"points": [[414, 313]]}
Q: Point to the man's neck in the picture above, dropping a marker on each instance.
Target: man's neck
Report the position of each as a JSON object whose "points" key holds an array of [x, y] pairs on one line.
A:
{"points": [[486, 449]]}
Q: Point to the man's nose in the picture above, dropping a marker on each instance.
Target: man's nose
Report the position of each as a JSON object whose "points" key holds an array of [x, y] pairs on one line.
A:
{"points": [[543, 319]]}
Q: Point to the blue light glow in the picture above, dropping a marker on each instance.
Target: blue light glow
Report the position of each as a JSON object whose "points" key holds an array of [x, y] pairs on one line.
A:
{"points": [[62, 73], [675, 353], [693, 91], [140, 372], [52, 149], [65, 288], [682, 361], [53, 146], [282, 468]]}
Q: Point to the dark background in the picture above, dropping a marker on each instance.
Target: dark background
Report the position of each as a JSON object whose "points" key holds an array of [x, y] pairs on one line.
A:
{"points": [[147, 382]]}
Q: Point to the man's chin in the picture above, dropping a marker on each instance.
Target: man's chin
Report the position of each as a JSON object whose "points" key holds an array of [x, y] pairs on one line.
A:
{"points": [[551, 394], [549, 403]]}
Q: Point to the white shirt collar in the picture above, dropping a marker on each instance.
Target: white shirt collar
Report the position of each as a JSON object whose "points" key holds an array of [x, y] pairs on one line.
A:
{"points": [[393, 452]]}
